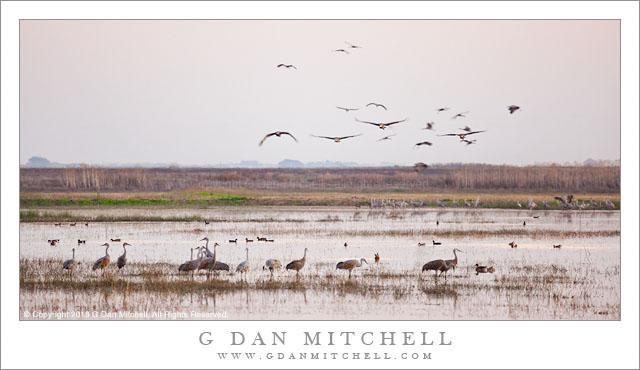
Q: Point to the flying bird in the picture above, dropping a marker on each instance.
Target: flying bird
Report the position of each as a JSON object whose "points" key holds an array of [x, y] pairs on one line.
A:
{"points": [[463, 135], [341, 51], [512, 108], [287, 66], [466, 128], [377, 105], [352, 46], [429, 126], [442, 109], [420, 166], [347, 109], [469, 142], [387, 137], [337, 139], [460, 115], [382, 125], [277, 133], [422, 143]]}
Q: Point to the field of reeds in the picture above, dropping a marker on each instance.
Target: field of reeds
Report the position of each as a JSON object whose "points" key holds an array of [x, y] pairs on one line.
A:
{"points": [[484, 178]]}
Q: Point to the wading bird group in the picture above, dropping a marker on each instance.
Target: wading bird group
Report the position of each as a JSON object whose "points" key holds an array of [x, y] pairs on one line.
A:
{"points": [[207, 261]]}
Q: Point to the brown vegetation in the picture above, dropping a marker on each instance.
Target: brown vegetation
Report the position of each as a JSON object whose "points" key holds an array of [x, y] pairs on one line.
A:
{"points": [[471, 178]]}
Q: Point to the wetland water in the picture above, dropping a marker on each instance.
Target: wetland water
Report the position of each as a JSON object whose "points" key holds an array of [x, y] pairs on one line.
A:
{"points": [[579, 281]]}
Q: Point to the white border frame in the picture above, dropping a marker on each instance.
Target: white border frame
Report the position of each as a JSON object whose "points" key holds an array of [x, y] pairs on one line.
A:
{"points": [[477, 344]]}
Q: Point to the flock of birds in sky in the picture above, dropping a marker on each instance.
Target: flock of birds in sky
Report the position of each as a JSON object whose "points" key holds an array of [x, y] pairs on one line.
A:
{"points": [[462, 135]]}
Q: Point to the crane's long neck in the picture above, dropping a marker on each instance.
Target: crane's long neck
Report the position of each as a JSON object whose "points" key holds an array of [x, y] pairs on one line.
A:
{"points": [[125, 250], [455, 260], [73, 254], [191, 253], [106, 251], [206, 245], [247, 253]]}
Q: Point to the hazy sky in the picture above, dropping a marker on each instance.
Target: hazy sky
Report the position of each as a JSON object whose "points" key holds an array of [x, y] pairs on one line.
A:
{"points": [[206, 92]]}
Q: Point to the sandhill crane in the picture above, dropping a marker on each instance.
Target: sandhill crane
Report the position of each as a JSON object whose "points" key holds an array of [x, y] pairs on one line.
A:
{"points": [[207, 252], [350, 265], [103, 262], [377, 105], [463, 114], [192, 264], [419, 166], [436, 243], [387, 137], [377, 258], [455, 260], [53, 242], [211, 262], [277, 134], [513, 245], [272, 264], [609, 204], [422, 143], [122, 260], [440, 203], [512, 108], [455, 203], [438, 265], [298, 264], [70, 264], [347, 109], [531, 204], [183, 267], [352, 46], [382, 125], [518, 204], [243, 267], [463, 135], [429, 126], [115, 240], [341, 51], [442, 109], [557, 246], [82, 242], [337, 139], [545, 203], [287, 66]]}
